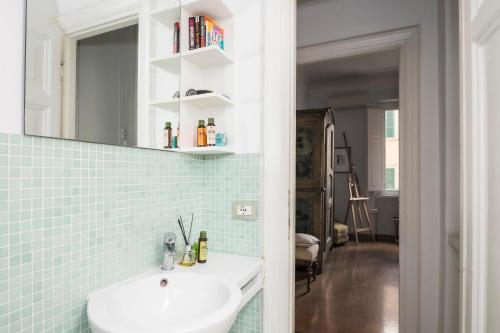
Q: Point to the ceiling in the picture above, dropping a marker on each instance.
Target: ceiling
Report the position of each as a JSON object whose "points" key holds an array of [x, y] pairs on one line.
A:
{"points": [[333, 70]]}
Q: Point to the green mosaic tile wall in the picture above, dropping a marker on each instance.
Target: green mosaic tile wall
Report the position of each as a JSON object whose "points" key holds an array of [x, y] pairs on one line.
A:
{"points": [[75, 217]]}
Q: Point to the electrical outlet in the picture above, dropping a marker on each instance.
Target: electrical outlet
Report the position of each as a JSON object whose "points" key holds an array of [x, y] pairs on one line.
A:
{"points": [[245, 210]]}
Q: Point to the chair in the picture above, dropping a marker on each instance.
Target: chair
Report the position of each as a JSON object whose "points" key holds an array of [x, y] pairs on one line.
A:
{"points": [[307, 257]]}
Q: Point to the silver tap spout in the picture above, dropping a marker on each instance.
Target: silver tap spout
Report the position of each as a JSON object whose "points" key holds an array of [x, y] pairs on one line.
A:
{"points": [[168, 251]]}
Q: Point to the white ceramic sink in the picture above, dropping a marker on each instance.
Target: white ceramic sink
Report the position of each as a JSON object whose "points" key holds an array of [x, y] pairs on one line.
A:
{"points": [[186, 303]]}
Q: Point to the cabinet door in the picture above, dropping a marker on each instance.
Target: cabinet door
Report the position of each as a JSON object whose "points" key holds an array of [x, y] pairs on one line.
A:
{"points": [[310, 147], [330, 186]]}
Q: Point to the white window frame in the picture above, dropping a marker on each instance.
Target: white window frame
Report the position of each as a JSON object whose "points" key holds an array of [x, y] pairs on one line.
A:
{"points": [[376, 152]]}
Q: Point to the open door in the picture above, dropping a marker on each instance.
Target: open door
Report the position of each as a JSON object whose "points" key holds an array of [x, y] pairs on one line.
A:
{"points": [[43, 70], [480, 165]]}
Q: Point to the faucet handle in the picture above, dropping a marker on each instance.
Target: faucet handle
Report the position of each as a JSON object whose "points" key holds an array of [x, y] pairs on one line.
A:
{"points": [[169, 238]]}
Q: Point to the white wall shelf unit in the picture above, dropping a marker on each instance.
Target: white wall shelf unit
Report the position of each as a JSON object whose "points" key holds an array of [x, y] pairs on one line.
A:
{"points": [[169, 63], [205, 101], [207, 68], [203, 150], [167, 15], [217, 9], [168, 104], [210, 56]]}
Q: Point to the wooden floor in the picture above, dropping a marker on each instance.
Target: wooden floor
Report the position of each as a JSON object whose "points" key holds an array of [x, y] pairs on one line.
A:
{"points": [[357, 292]]}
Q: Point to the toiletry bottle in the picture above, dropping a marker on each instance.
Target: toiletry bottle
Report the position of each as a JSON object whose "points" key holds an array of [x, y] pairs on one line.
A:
{"points": [[202, 248], [201, 134], [167, 133], [211, 132]]}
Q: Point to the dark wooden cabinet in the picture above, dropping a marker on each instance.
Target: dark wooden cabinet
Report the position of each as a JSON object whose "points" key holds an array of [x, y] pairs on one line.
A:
{"points": [[315, 185]]}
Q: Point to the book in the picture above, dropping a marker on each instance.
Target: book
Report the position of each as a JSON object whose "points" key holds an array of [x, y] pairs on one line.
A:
{"points": [[191, 33], [197, 34], [203, 31], [176, 44], [217, 36]]}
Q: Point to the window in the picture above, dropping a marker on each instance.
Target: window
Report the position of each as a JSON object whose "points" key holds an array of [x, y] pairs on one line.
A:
{"points": [[383, 151], [390, 128], [391, 150]]}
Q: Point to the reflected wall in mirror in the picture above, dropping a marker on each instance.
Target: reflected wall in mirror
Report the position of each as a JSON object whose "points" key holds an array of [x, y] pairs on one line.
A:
{"points": [[92, 71]]}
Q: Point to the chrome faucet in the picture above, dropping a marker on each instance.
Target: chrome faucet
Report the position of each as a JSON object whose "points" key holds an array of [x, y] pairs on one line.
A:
{"points": [[168, 251]]}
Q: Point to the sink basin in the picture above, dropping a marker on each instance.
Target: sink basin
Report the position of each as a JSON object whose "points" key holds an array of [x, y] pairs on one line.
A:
{"points": [[167, 303]]}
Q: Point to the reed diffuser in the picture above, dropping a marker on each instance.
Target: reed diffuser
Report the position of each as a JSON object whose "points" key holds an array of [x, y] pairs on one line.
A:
{"points": [[187, 258]]}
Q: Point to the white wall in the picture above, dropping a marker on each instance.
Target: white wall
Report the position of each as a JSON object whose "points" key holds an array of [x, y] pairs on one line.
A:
{"points": [[302, 95], [324, 21], [354, 123], [11, 66]]}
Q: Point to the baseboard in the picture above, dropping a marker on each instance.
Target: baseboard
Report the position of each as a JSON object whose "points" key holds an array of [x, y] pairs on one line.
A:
{"points": [[365, 237]]}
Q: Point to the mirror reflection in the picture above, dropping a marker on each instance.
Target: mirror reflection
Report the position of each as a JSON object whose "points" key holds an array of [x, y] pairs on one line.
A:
{"points": [[92, 71]]}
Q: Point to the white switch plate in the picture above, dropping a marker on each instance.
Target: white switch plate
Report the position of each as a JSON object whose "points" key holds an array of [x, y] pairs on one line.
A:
{"points": [[245, 210]]}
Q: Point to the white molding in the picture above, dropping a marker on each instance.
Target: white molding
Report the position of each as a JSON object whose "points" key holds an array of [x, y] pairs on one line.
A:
{"points": [[354, 46], [407, 41], [98, 14], [479, 20], [278, 166]]}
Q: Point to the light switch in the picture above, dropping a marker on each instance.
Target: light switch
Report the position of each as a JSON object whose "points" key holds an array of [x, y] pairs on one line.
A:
{"points": [[245, 210]]}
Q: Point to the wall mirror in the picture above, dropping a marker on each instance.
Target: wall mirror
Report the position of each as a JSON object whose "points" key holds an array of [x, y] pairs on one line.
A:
{"points": [[91, 74]]}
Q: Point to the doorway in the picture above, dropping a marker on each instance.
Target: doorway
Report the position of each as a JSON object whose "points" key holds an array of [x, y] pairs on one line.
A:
{"points": [[106, 87], [358, 260], [405, 41]]}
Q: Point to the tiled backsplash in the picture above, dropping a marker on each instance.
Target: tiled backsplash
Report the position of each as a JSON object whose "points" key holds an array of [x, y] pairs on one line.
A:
{"points": [[75, 217]]}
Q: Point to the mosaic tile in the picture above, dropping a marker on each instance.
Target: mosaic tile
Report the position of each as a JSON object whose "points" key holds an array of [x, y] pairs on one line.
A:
{"points": [[75, 217]]}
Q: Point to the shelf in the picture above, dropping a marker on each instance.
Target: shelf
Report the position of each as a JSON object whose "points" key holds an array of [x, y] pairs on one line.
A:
{"points": [[204, 101], [202, 150], [211, 100], [210, 56], [167, 15], [171, 104], [170, 63], [216, 9]]}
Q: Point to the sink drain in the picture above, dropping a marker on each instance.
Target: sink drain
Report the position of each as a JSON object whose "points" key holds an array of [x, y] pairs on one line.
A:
{"points": [[163, 283]]}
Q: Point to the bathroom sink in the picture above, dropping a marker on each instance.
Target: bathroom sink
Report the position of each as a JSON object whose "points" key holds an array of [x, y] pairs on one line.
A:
{"points": [[165, 302]]}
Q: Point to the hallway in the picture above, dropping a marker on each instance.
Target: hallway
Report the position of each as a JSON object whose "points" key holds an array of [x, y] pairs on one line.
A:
{"points": [[358, 292]]}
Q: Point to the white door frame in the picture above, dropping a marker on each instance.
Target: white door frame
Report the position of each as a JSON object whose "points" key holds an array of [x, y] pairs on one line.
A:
{"points": [[479, 22], [90, 21], [278, 166], [406, 40]]}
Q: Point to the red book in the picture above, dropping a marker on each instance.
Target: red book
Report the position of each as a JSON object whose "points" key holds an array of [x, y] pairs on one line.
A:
{"points": [[177, 29]]}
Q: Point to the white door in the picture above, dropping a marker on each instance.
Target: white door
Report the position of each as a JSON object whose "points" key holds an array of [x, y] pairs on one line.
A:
{"points": [[480, 166], [43, 60]]}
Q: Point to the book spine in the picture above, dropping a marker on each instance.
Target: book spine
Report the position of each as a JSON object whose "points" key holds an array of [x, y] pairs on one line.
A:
{"points": [[208, 32], [191, 33], [176, 37], [197, 32], [203, 32]]}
